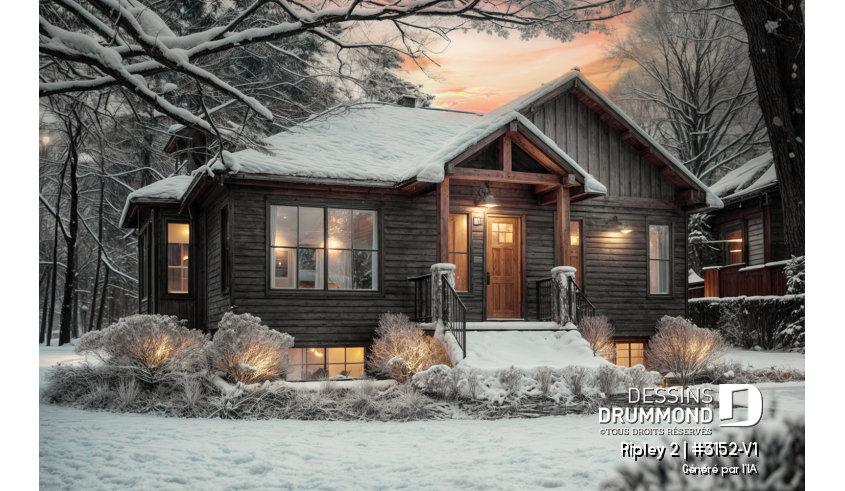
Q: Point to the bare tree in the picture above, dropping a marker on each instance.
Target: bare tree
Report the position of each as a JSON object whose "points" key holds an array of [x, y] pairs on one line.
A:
{"points": [[691, 85]]}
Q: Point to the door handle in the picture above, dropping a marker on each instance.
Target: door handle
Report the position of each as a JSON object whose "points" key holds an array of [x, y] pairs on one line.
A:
{"points": [[488, 277]]}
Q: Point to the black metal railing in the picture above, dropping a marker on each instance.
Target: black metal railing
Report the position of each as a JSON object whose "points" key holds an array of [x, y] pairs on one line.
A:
{"points": [[582, 307], [454, 315], [546, 299], [422, 298]]}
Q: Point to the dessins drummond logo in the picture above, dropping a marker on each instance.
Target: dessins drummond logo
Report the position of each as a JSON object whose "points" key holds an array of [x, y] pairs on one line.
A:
{"points": [[664, 399]]}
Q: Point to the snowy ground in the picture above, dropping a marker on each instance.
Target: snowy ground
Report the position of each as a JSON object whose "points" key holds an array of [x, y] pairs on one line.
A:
{"points": [[527, 350], [768, 359], [87, 450]]}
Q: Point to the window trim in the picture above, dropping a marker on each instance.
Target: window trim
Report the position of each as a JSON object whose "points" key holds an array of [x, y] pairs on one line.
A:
{"points": [[144, 263], [671, 293], [325, 292], [165, 294]]}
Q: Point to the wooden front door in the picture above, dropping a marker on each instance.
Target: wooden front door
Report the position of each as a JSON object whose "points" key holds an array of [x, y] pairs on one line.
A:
{"points": [[504, 265]]}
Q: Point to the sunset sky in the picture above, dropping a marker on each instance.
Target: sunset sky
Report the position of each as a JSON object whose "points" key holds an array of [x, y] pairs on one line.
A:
{"points": [[479, 72]]}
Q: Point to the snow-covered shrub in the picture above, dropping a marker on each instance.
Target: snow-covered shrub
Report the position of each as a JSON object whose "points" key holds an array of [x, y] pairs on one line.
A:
{"points": [[471, 382], [149, 341], [511, 380], [612, 380], [127, 392], [792, 332], [735, 372], [770, 322], [642, 378], [248, 351], [580, 381], [599, 333], [435, 380], [545, 377], [401, 348], [780, 464], [684, 349]]}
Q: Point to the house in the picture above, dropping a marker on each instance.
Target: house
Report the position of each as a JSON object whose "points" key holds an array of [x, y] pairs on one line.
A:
{"points": [[749, 234], [355, 214]]}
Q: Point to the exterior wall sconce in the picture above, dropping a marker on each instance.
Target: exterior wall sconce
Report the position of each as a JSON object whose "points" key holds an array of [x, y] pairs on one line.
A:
{"points": [[486, 198], [622, 226]]}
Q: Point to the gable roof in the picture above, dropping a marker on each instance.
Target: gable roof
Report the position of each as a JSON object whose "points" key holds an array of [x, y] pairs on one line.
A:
{"points": [[754, 175], [166, 191], [575, 81]]}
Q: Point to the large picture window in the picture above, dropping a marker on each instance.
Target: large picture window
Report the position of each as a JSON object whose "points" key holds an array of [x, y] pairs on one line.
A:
{"points": [[459, 249], [318, 363], [302, 258], [659, 259], [178, 246]]}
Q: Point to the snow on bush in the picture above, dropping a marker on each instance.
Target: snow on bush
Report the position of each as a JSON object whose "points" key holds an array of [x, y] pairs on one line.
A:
{"points": [[402, 348], [571, 385], [780, 464], [248, 351], [599, 333], [152, 342], [684, 349]]}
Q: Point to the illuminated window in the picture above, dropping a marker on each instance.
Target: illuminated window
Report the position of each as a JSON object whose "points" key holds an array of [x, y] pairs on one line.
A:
{"points": [[659, 259], [459, 249], [319, 363], [575, 251], [178, 246], [734, 246], [298, 248], [630, 354]]}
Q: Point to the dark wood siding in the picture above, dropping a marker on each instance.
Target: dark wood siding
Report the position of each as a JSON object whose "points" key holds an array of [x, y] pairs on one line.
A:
{"points": [[183, 305], [616, 265], [218, 300], [329, 318]]}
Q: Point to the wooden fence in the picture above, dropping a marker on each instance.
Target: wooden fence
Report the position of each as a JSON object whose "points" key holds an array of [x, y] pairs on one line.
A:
{"points": [[737, 279]]}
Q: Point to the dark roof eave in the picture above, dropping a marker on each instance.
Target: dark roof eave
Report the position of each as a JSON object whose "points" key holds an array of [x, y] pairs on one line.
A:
{"points": [[737, 197], [131, 218]]}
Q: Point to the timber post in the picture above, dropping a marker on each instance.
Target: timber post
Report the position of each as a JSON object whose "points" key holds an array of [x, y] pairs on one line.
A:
{"points": [[439, 273], [565, 298]]}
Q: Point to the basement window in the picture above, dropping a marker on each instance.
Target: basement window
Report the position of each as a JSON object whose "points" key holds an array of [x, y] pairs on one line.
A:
{"points": [[629, 354], [321, 363]]}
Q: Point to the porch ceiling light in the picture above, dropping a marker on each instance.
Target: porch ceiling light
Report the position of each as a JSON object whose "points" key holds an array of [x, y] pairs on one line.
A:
{"points": [[622, 226], [486, 198]]}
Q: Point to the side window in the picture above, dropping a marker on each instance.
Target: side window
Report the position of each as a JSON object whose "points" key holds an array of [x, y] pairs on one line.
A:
{"points": [[659, 259], [178, 247], [224, 249], [459, 249]]}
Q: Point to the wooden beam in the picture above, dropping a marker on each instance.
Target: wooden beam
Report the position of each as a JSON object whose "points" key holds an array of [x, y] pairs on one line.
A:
{"points": [[505, 158], [667, 171], [646, 152], [688, 195], [443, 221], [544, 188], [501, 176], [469, 152], [569, 181], [547, 199], [537, 154], [563, 227]]}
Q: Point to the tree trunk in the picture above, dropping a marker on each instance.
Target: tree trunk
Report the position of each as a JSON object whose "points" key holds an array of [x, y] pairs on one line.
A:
{"points": [[100, 241], [70, 241], [74, 323], [778, 61], [52, 306], [103, 300], [43, 330]]}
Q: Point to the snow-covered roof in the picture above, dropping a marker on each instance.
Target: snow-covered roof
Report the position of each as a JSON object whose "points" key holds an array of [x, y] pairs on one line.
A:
{"points": [[387, 144], [751, 176], [169, 188]]}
